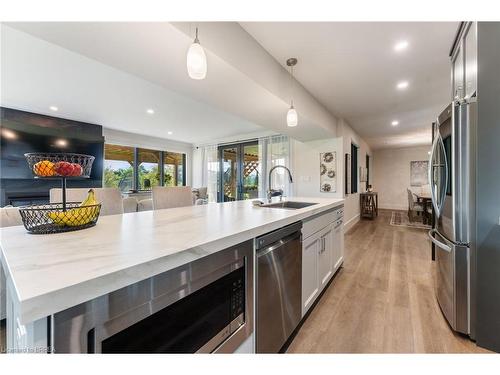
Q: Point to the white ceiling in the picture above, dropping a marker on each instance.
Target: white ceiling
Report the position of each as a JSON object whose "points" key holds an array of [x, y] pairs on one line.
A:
{"points": [[37, 74], [352, 69], [156, 53], [110, 72]]}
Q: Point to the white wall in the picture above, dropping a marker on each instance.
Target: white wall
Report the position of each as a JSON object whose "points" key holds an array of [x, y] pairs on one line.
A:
{"points": [[138, 140], [391, 172], [351, 205], [306, 168]]}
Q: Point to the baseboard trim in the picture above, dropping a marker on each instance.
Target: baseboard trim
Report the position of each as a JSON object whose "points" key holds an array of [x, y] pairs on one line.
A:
{"points": [[349, 223], [393, 207]]}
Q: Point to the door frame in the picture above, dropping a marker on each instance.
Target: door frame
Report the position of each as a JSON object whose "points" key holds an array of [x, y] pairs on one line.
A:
{"points": [[240, 157]]}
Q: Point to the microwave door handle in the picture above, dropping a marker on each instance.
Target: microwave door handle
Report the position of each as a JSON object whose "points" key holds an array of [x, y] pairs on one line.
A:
{"points": [[438, 243]]}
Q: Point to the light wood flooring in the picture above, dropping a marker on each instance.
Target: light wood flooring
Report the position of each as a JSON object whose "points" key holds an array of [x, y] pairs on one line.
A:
{"points": [[382, 300]]}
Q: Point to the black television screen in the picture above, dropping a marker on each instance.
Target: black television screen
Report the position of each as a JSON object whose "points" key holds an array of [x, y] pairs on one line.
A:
{"points": [[24, 132]]}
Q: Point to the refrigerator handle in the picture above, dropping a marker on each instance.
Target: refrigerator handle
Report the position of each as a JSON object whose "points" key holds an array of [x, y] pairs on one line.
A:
{"points": [[438, 243], [431, 172], [438, 206]]}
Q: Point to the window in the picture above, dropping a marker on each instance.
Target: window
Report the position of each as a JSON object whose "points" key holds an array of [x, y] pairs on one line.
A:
{"points": [[132, 168], [174, 173], [119, 167], [148, 172], [354, 168]]}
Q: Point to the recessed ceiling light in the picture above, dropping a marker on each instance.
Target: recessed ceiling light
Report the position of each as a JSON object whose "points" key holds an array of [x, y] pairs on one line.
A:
{"points": [[401, 45], [62, 142], [170, 133], [402, 85], [53, 108], [428, 152], [9, 134], [395, 123], [150, 111]]}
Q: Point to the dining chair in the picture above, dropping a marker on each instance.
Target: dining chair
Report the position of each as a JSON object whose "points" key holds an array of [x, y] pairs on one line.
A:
{"points": [[145, 205], [200, 195], [171, 197], [10, 216], [129, 204], [110, 198], [413, 206]]}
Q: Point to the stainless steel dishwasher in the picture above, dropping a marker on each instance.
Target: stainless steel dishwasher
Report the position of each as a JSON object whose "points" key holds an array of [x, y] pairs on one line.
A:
{"points": [[279, 285]]}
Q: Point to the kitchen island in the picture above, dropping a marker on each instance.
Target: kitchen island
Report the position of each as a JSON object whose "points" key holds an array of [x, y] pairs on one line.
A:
{"points": [[47, 274]]}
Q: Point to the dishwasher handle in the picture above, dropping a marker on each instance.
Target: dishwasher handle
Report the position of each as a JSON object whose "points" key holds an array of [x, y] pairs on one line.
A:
{"points": [[270, 238], [266, 250]]}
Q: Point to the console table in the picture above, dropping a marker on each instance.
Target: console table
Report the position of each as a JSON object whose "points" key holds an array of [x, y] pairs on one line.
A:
{"points": [[368, 204]]}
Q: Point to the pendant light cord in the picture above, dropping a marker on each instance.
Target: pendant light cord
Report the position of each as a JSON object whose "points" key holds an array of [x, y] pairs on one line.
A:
{"points": [[291, 86]]}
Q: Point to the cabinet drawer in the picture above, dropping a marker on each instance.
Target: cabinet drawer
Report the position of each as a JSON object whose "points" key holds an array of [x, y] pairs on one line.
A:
{"points": [[320, 221]]}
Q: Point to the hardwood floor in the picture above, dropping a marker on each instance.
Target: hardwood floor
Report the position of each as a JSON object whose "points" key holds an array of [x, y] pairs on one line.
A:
{"points": [[382, 300]]}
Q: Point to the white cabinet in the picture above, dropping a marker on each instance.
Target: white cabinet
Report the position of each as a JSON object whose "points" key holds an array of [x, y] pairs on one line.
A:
{"points": [[322, 254], [338, 244], [464, 63], [3, 293], [310, 285], [325, 256], [471, 61], [458, 74]]}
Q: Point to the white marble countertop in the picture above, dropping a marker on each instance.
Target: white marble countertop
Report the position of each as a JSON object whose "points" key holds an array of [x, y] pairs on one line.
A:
{"points": [[53, 272]]}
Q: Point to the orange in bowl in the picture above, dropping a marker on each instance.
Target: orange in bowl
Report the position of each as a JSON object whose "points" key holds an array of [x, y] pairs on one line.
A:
{"points": [[44, 168]]}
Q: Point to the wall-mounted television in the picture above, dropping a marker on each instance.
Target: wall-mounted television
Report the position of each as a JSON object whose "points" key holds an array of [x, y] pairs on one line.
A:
{"points": [[23, 132]]}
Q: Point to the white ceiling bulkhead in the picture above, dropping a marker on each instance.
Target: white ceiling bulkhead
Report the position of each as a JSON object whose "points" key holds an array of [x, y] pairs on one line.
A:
{"points": [[132, 76]]}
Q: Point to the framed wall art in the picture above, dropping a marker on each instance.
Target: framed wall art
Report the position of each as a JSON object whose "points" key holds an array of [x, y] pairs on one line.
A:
{"points": [[419, 173], [328, 172]]}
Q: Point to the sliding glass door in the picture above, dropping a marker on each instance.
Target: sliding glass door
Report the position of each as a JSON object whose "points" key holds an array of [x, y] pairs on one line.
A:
{"points": [[239, 171], [228, 174]]}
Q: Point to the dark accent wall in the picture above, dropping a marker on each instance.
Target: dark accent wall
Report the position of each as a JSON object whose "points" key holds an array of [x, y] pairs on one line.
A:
{"points": [[488, 187], [30, 132]]}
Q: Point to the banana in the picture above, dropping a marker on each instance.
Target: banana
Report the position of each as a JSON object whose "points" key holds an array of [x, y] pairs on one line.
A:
{"points": [[77, 216]]}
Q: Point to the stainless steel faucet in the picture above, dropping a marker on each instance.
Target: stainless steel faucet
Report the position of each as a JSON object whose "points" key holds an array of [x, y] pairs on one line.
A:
{"points": [[275, 193]]}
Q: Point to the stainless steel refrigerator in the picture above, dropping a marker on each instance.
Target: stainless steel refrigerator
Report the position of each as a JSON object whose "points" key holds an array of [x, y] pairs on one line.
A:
{"points": [[452, 181]]}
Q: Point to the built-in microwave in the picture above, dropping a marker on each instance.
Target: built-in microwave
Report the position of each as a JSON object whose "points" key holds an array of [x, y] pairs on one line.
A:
{"points": [[205, 306]]}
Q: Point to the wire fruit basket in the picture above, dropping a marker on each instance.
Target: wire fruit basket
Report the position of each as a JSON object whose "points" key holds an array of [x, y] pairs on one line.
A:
{"points": [[47, 165], [64, 216], [59, 217]]}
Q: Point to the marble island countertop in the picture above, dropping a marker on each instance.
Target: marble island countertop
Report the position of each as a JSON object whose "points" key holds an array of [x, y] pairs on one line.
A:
{"points": [[50, 273]]}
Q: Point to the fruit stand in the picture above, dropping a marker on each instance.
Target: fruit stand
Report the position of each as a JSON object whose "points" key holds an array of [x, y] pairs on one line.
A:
{"points": [[63, 216]]}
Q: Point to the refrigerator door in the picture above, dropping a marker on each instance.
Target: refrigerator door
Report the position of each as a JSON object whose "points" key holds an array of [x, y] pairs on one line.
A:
{"points": [[444, 156], [464, 176], [455, 147], [451, 281]]}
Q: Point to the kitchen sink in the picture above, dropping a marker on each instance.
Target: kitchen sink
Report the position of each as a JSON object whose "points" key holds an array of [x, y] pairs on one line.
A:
{"points": [[289, 205]]}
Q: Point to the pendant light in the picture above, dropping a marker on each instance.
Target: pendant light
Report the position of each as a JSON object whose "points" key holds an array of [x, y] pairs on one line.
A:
{"points": [[292, 118], [196, 60]]}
